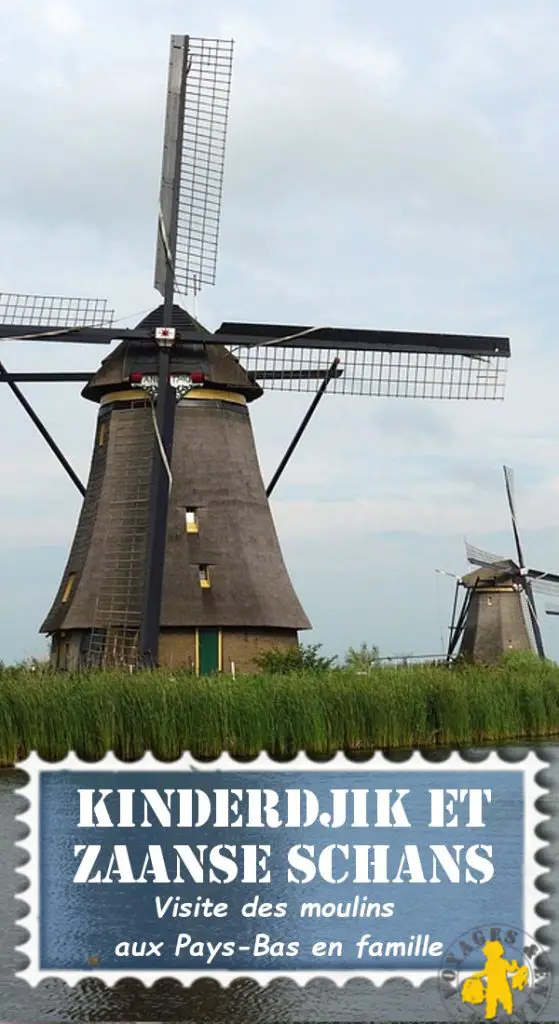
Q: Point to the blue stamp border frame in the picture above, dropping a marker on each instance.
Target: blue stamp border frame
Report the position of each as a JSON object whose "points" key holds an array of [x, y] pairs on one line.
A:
{"points": [[530, 766]]}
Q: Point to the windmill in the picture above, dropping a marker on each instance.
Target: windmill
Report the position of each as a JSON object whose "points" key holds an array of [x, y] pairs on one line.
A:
{"points": [[175, 558], [498, 611]]}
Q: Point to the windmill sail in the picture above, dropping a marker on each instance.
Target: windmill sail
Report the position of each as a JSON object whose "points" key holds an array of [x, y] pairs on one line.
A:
{"points": [[56, 314], [530, 615], [193, 162], [484, 559], [383, 364], [509, 485], [543, 582]]}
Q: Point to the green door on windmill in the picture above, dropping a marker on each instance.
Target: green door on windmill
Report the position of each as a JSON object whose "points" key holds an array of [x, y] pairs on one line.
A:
{"points": [[209, 651]]}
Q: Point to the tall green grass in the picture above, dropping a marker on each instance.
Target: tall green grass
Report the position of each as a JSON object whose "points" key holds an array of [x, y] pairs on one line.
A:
{"points": [[170, 712]]}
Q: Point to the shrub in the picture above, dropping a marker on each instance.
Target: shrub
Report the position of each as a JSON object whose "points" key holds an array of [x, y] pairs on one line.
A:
{"points": [[303, 658], [362, 659]]}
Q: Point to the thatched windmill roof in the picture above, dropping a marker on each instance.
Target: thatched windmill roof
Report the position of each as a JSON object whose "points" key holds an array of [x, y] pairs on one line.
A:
{"points": [[503, 572], [220, 367]]}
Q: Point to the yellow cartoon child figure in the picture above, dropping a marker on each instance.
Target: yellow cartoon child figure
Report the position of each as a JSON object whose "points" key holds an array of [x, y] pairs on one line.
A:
{"points": [[497, 990]]}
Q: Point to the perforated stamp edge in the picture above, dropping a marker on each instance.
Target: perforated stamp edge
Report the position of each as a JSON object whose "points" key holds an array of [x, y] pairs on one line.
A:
{"points": [[530, 766]]}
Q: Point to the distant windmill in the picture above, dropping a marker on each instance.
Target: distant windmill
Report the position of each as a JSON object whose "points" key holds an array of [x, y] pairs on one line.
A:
{"points": [[498, 612], [175, 558]]}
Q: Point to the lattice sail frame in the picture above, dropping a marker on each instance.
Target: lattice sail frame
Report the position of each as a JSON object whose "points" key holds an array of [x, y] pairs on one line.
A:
{"points": [[54, 311], [544, 586], [539, 581], [483, 559], [209, 65], [525, 604], [377, 373]]}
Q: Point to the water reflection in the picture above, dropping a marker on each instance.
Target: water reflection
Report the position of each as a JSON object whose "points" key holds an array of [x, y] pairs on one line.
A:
{"points": [[205, 1002]]}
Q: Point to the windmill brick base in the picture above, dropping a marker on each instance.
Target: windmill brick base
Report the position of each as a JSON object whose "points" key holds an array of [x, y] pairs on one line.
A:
{"points": [[202, 651]]}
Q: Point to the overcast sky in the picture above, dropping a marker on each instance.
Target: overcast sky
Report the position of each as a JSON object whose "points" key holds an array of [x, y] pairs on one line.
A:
{"points": [[388, 165]]}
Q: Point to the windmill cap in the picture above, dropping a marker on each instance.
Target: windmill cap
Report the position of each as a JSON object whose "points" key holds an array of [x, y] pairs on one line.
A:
{"points": [[501, 572], [221, 369]]}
